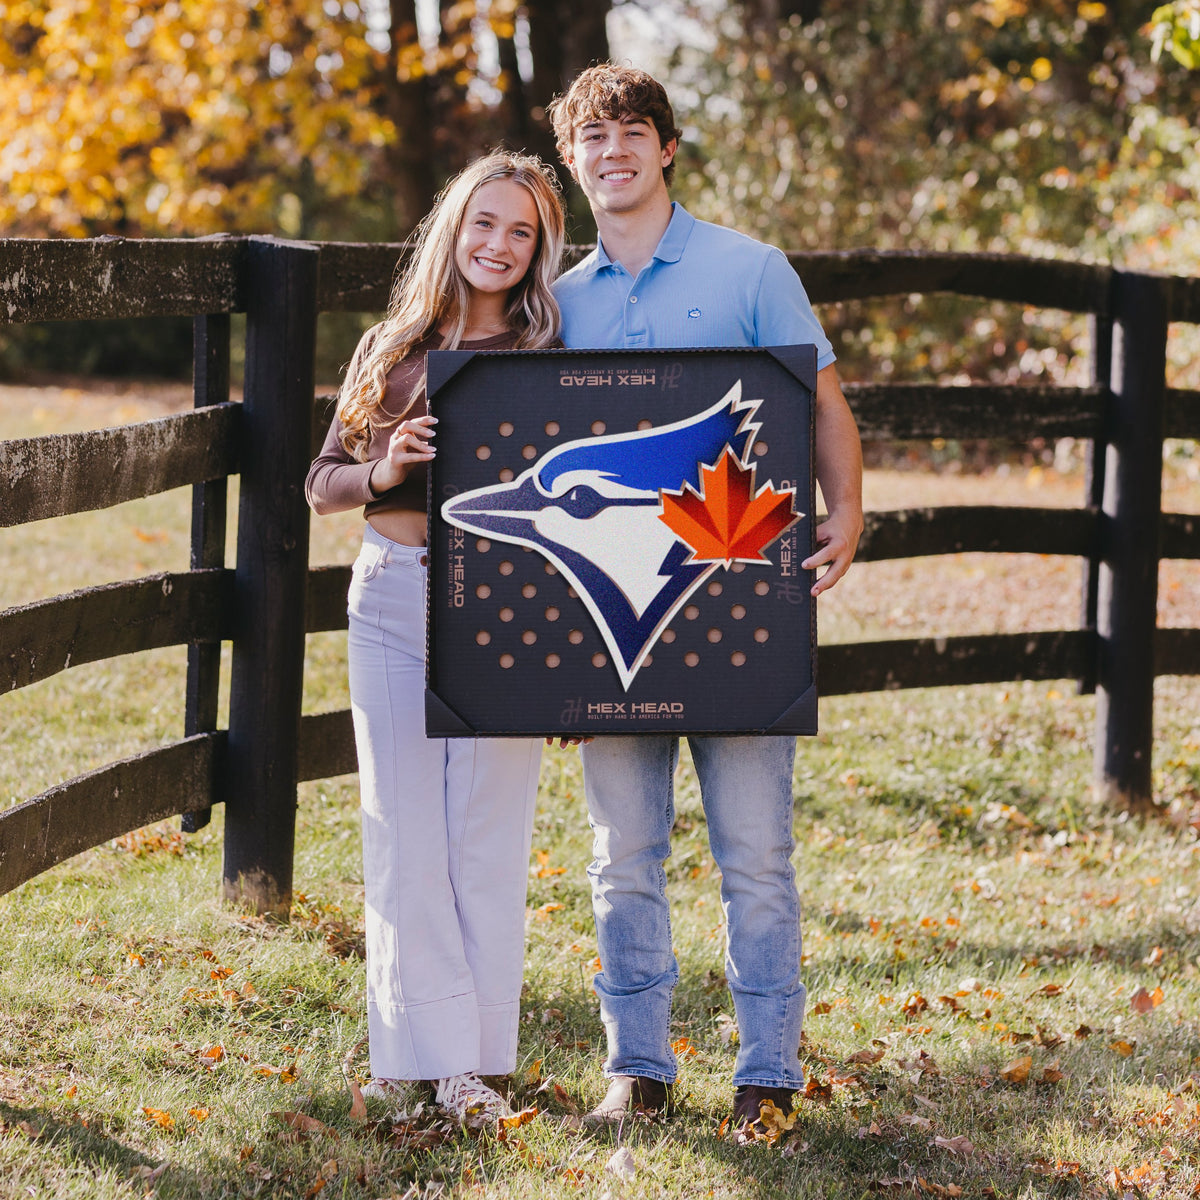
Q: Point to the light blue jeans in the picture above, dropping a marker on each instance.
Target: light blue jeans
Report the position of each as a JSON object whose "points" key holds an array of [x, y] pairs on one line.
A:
{"points": [[746, 789]]}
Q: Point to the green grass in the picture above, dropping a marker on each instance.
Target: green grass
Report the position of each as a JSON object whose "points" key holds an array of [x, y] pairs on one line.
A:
{"points": [[967, 907]]}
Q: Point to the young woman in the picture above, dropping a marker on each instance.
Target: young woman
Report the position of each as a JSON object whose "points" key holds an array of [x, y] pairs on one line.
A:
{"points": [[446, 823]]}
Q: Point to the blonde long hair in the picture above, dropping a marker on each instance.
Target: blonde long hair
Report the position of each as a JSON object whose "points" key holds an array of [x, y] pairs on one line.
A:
{"points": [[431, 291]]}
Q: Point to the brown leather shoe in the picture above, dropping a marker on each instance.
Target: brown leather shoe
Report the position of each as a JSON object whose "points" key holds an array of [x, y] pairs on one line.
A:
{"points": [[631, 1095], [747, 1109]]}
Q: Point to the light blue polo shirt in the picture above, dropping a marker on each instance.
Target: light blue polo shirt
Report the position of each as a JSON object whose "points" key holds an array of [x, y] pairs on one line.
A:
{"points": [[705, 286]]}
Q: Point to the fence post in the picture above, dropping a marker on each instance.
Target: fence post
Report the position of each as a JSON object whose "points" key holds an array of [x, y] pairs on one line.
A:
{"points": [[1101, 330], [267, 672], [210, 385], [1128, 577]]}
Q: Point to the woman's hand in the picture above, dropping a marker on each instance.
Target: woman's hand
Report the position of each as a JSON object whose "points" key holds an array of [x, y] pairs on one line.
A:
{"points": [[411, 442]]}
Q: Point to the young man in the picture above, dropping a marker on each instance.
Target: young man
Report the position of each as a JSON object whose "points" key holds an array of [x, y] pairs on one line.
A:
{"points": [[660, 278]]}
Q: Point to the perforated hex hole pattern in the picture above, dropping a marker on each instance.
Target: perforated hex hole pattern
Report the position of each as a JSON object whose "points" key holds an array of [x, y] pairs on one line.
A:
{"points": [[509, 633]]}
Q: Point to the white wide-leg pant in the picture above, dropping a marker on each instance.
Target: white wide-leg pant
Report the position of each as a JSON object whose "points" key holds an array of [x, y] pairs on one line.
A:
{"points": [[446, 827]]}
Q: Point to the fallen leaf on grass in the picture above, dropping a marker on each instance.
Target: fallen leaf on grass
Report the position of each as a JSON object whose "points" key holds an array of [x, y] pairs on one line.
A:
{"points": [[1132, 1183], [1143, 1001], [200, 1114], [1124, 1049], [622, 1165], [149, 1174], [1055, 1170], [939, 1189], [358, 1105], [504, 1124], [956, 1145], [866, 1056], [210, 1056], [285, 1074], [1052, 1074], [683, 1046], [1018, 1070], [31, 1131], [1051, 989], [923, 1064], [412, 1137], [544, 869], [303, 1123], [917, 1120], [774, 1119], [159, 1117]]}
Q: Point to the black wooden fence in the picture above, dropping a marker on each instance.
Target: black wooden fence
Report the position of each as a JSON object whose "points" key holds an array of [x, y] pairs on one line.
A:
{"points": [[271, 599]]}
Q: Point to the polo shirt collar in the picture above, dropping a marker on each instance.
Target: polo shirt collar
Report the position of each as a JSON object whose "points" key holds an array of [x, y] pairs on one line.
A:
{"points": [[672, 242], [670, 245]]}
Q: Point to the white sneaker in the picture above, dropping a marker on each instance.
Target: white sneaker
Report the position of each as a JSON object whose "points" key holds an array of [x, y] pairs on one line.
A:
{"points": [[470, 1100]]}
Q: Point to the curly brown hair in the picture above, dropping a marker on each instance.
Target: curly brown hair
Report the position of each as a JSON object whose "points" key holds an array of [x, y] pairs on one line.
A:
{"points": [[608, 92]]}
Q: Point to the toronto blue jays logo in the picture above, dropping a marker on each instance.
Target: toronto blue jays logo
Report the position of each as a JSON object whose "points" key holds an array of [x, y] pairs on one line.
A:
{"points": [[638, 521]]}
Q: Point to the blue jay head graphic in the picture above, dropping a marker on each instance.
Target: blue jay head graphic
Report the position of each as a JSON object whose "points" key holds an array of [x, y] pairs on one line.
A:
{"points": [[592, 508]]}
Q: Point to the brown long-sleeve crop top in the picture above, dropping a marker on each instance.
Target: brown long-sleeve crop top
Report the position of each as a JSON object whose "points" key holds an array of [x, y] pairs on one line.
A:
{"points": [[336, 482]]}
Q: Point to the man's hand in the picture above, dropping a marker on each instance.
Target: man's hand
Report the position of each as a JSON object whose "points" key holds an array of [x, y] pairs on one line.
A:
{"points": [[839, 472]]}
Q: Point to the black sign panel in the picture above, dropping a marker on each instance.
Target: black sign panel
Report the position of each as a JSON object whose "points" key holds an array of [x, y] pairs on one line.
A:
{"points": [[615, 542]]}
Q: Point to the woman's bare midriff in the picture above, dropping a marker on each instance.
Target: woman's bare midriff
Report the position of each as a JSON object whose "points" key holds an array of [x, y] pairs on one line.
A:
{"points": [[397, 525]]}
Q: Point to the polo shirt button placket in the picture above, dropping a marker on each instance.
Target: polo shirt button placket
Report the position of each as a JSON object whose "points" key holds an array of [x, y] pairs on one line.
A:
{"points": [[633, 336]]}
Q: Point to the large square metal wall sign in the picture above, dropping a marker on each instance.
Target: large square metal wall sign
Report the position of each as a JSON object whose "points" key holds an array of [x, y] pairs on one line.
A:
{"points": [[615, 540]]}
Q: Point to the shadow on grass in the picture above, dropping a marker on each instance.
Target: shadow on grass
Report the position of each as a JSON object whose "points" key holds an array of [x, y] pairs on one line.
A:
{"points": [[71, 1144], [970, 1129]]}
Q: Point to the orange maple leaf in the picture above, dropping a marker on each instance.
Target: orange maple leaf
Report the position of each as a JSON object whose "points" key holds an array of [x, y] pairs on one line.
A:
{"points": [[159, 1117], [727, 519]]}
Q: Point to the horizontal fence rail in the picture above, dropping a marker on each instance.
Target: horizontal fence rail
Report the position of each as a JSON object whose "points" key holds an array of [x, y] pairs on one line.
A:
{"points": [[111, 620], [104, 467], [940, 662], [107, 803], [267, 603]]}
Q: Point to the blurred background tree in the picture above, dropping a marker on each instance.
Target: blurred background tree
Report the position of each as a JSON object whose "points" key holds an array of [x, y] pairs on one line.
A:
{"points": [[1039, 127]]}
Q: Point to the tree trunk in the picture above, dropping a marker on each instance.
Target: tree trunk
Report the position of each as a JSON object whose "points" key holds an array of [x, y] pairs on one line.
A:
{"points": [[408, 105]]}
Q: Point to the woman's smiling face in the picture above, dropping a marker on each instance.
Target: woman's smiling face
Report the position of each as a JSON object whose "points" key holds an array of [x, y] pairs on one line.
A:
{"points": [[498, 237]]}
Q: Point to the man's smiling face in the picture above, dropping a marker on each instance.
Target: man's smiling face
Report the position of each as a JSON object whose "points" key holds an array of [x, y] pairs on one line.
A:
{"points": [[619, 164]]}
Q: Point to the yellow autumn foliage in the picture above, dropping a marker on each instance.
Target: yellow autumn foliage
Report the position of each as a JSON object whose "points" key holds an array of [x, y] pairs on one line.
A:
{"points": [[181, 117]]}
